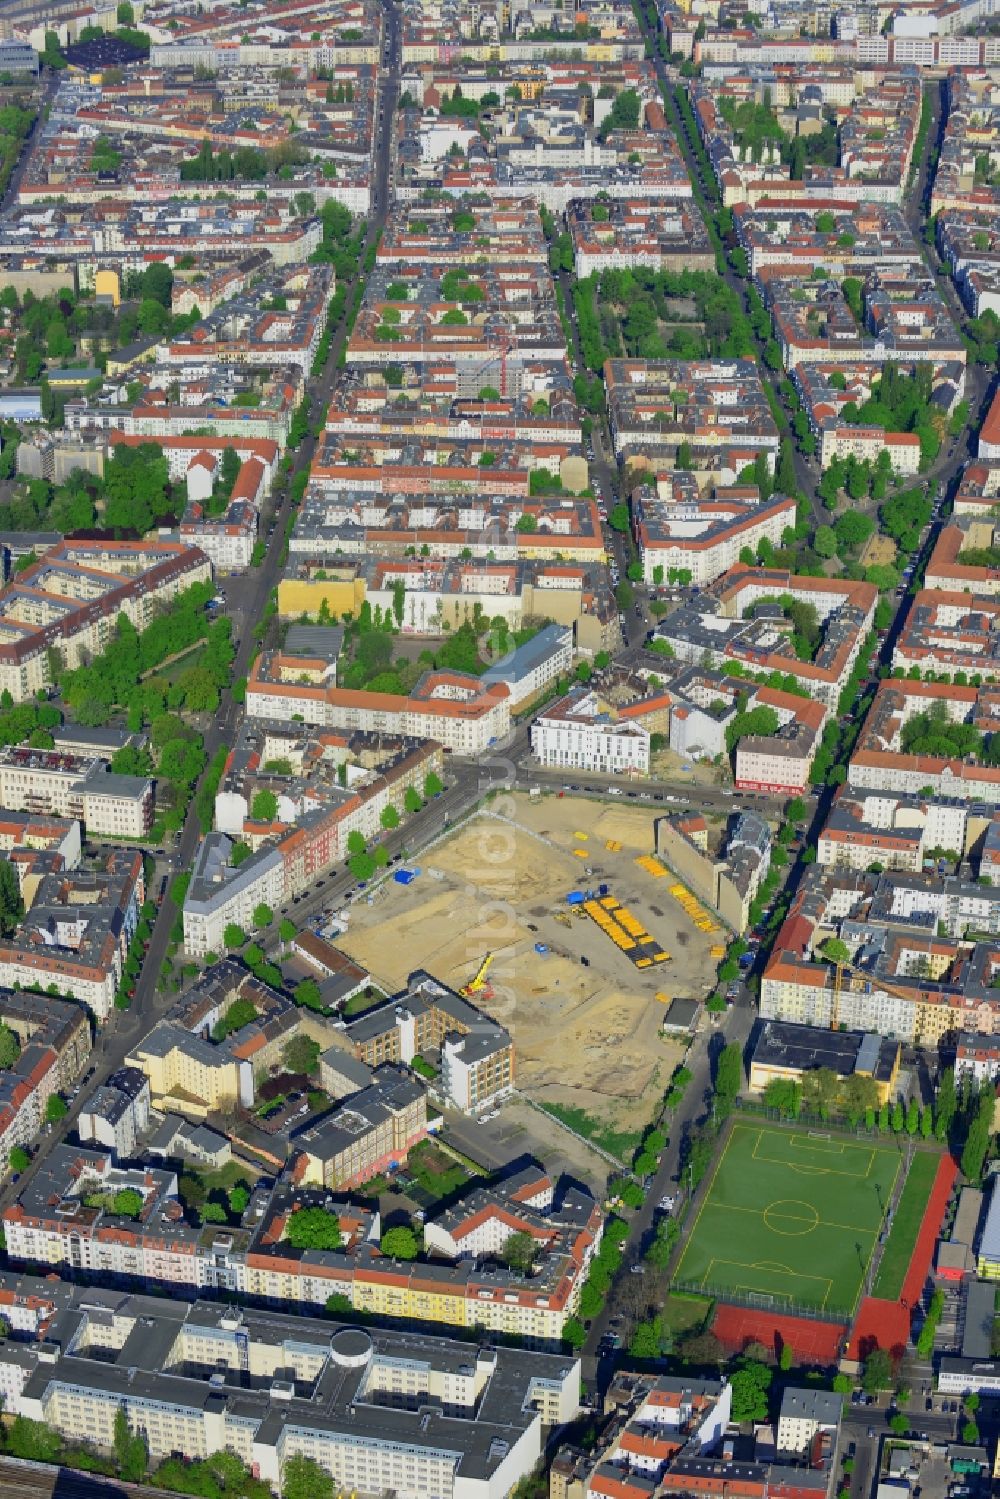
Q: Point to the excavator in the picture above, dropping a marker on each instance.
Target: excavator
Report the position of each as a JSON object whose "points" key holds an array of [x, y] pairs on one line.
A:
{"points": [[479, 984]]}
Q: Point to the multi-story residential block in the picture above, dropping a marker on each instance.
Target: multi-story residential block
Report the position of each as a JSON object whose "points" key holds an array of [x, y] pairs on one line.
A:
{"points": [[376, 1409], [682, 532], [725, 871], [919, 967], [69, 600], [451, 707], [315, 820], [625, 234], [880, 761], [477, 1054], [977, 1057], [372, 1131], [779, 763], [667, 1434], [117, 1113], [717, 407], [584, 732], [535, 665], [74, 936], [190, 1068], [894, 829], [59, 783], [54, 1041], [740, 620]]}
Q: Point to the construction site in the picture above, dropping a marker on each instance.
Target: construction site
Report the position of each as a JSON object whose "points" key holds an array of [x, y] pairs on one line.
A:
{"points": [[586, 946]]}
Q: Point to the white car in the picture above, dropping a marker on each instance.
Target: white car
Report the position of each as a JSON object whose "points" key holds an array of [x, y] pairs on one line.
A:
{"points": [[667, 1203]]}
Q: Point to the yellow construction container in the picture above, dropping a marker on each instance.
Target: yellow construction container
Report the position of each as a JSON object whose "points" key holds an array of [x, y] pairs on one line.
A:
{"points": [[584, 836], [663, 998], [581, 853], [718, 952], [613, 846], [644, 963]]}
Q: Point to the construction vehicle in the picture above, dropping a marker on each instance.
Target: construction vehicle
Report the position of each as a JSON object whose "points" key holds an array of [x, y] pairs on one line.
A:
{"points": [[478, 985]]}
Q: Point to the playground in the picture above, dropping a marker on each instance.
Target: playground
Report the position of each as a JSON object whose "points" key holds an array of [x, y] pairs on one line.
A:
{"points": [[790, 1219]]}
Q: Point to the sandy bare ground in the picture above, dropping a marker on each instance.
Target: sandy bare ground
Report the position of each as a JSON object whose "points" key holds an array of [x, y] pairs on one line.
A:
{"points": [[586, 1034]]}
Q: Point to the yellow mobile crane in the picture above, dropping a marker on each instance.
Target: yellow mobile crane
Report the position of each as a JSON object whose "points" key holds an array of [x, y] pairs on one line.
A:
{"points": [[478, 984]]}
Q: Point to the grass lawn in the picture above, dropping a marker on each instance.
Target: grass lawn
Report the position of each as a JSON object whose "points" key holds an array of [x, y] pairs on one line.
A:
{"points": [[906, 1225], [359, 1003], [683, 1313], [620, 1143], [436, 1173], [790, 1215]]}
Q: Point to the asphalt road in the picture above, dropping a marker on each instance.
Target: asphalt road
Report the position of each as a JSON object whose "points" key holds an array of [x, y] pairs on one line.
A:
{"points": [[124, 1028], [713, 1035]]}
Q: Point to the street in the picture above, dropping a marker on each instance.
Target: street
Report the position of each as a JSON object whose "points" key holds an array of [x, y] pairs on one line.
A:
{"points": [[124, 1028]]}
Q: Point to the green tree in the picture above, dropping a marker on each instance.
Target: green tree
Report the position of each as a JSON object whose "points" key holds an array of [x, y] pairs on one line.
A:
{"points": [[313, 1228], [750, 1385], [10, 1047], [301, 1054], [412, 800], [11, 903], [264, 806], [56, 1108], [262, 915], [877, 1373], [307, 994], [234, 936], [18, 1159], [303, 1478], [433, 785], [389, 817], [287, 929], [400, 1243]]}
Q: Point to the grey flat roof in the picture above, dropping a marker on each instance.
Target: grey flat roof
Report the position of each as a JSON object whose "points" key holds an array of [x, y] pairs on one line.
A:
{"points": [[989, 1247], [978, 1335], [526, 657]]}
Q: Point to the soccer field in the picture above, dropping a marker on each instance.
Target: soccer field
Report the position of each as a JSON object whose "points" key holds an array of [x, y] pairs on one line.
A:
{"points": [[792, 1216]]}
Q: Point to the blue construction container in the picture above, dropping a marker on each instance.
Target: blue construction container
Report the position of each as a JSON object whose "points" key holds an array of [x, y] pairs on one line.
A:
{"points": [[575, 898]]}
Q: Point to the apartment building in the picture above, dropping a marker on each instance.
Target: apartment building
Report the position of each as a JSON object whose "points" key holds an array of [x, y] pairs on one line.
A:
{"points": [[54, 1041], [310, 837], [911, 974], [116, 1114], [69, 600], [372, 1131], [780, 763], [680, 531], [667, 1434], [625, 234], [477, 1054], [737, 621], [376, 1409], [725, 870], [77, 786], [583, 732], [717, 407], [458, 711], [74, 936], [879, 762], [894, 829], [192, 1067], [950, 632], [535, 665]]}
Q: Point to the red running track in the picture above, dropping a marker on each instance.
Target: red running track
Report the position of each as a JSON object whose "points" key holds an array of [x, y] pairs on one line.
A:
{"points": [[886, 1324], [811, 1342]]}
